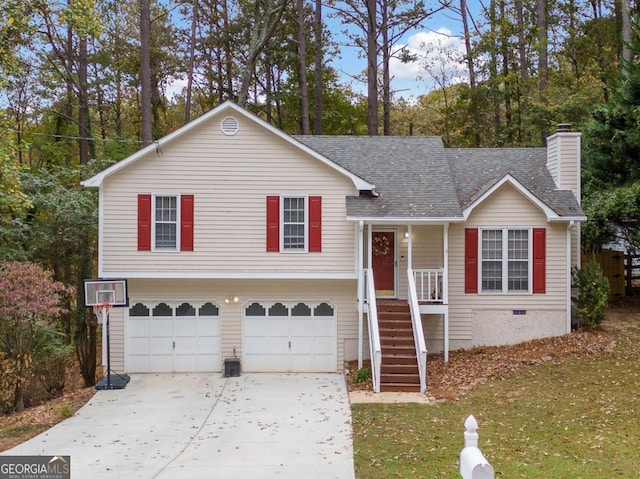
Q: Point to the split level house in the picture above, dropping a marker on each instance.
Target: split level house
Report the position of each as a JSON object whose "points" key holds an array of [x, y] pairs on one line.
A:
{"points": [[298, 253]]}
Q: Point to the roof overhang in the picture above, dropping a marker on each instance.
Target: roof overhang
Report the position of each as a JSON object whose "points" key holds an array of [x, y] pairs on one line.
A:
{"points": [[541, 205], [97, 180], [407, 220]]}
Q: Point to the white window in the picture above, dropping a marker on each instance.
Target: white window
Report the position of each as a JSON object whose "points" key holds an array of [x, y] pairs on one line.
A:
{"points": [[505, 260], [165, 223], [294, 223]]}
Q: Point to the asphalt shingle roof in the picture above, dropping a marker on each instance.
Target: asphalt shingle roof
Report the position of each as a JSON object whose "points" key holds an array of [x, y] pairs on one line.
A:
{"points": [[476, 170], [416, 177]]}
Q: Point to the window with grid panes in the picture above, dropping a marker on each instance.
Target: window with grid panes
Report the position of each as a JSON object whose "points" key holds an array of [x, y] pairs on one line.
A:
{"points": [[166, 222], [293, 224], [505, 260]]}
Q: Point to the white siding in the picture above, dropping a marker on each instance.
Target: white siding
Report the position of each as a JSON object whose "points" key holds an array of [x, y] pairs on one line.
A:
{"points": [[506, 208], [230, 177], [342, 294]]}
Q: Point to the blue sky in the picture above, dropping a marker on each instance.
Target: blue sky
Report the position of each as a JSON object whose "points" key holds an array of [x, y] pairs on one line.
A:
{"points": [[438, 44]]}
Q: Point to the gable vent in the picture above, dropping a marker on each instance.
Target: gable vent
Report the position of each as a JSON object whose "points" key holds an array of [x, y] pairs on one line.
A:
{"points": [[229, 126]]}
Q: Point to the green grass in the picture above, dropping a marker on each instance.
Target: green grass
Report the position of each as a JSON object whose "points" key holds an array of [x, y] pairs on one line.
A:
{"points": [[578, 419], [20, 429]]}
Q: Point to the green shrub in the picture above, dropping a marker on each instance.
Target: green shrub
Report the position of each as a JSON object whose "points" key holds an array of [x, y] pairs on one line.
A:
{"points": [[65, 410], [362, 375], [592, 295]]}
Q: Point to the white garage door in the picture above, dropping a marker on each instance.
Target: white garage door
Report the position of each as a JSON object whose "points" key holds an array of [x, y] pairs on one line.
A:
{"points": [[280, 336], [173, 336]]}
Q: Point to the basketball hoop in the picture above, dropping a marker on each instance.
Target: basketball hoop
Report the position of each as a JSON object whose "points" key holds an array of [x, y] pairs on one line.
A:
{"points": [[102, 311], [101, 295]]}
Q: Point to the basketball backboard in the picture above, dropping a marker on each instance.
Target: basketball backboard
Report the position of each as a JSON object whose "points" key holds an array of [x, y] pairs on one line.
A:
{"points": [[105, 291]]}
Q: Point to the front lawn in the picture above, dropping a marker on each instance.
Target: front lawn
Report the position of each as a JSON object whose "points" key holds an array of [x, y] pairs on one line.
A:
{"points": [[557, 417]]}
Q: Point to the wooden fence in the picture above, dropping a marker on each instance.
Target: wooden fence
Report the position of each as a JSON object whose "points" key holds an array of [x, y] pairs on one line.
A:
{"points": [[621, 269]]}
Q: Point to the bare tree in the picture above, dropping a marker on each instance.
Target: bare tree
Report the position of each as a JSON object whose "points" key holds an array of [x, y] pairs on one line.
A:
{"points": [[372, 67], [192, 54], [145, 71], [302, 66], [266, 17], [319, 59], [543, 70]]}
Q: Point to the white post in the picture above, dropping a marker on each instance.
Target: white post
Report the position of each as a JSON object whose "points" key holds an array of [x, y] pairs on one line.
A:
{"points": [[473, 464], [445, 287], [410, 248], [360, 260]]}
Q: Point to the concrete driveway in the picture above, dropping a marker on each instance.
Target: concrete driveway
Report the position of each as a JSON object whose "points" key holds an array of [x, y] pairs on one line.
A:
{"points": [[205, 426]]}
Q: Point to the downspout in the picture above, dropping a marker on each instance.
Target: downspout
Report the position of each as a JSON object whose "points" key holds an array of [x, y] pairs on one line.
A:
{"points": [[360, 261], [568, 274]]}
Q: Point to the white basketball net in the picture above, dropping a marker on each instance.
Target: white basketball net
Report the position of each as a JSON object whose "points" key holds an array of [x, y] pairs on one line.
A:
{"points": [[102, 311]]}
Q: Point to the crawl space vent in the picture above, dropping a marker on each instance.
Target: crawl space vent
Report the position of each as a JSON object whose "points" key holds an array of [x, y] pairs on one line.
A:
{"points": [[229, 126]]}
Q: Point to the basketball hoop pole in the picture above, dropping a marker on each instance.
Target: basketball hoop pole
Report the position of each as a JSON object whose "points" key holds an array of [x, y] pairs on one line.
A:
{"points": [[105, 319], [102, 312]]}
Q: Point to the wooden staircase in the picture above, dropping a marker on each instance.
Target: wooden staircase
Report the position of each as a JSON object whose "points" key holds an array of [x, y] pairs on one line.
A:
{"points": [[399, 371]]}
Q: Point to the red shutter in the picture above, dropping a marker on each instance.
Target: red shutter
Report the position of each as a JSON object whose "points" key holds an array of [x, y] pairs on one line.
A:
{"points": [[471, 260], [273, 224], [315, 224], [539, 260], [144, 222], [186, 223]]}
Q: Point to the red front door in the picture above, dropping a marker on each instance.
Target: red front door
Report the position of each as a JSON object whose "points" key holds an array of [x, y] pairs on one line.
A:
{"points": [[384, 262]]}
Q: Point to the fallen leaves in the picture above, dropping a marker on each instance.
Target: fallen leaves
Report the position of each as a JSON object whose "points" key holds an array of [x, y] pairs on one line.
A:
{"points": [[466, 368]]}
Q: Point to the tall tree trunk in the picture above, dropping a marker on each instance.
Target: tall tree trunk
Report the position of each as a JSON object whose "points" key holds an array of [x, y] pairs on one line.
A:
{"points": [[318, 83], [84, 126], [145, 71], [626, 35], [228, 50], [470, 68], [543, 70], [70, 91], [504, 50], [493, 69], [372, 68], [18, 396], [86, 324], [386, 75], [192, 54], [264, 23], [523, 67], [268, 93], [305, 126]]}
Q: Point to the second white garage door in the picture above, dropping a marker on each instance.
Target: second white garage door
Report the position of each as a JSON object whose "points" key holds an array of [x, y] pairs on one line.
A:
{"points": [[281, 336], [173, 336]]}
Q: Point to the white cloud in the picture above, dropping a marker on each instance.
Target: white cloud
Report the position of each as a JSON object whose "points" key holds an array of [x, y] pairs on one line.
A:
{"points": [[438, 53]]}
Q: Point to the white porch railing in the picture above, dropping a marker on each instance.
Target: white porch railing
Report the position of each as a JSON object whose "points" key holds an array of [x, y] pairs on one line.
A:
{"points": [[418, 333], [430, 285], [375, 348]]}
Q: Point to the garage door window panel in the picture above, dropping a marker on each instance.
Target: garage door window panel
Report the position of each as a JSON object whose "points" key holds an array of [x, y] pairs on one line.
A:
{"points": [[209, 309], [323, 309]]}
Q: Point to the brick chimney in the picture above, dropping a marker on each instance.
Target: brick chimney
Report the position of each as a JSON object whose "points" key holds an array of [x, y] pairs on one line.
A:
{"points": [[563, 158]]}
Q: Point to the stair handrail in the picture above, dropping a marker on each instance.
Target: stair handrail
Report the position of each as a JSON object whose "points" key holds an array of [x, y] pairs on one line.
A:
{"points": [[375, 347], [418, 332], [435, 285]]}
